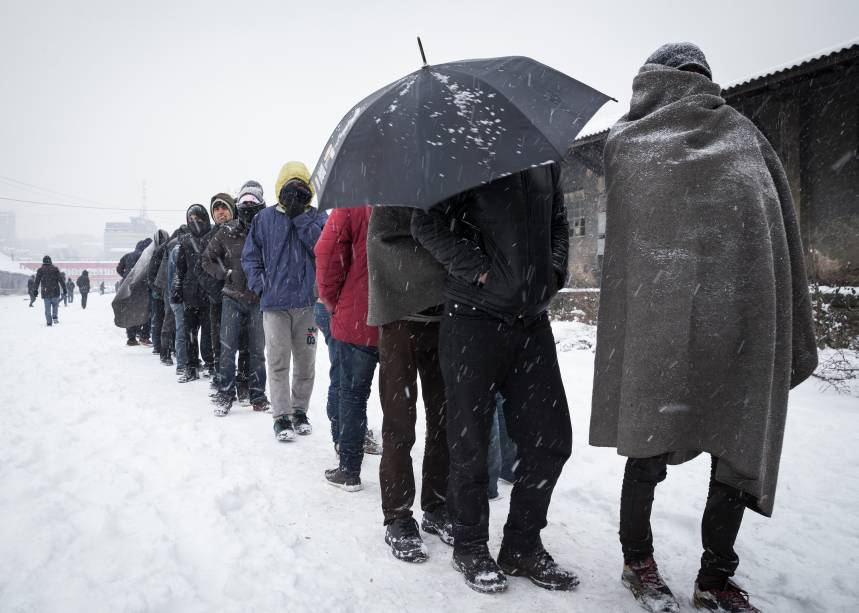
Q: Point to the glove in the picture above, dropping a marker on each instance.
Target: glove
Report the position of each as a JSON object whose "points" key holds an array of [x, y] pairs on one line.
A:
{"points": [[294, 198]]}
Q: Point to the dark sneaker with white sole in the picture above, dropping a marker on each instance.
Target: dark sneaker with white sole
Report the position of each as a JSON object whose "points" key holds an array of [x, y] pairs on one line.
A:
{"points": [[190, 374], [437, 522], [642, 578], [339, 478], [480, 571], [371, 445], [730, 599], [223, 403], [302, 425], [405, 541], [539, 567], [283, 429]]}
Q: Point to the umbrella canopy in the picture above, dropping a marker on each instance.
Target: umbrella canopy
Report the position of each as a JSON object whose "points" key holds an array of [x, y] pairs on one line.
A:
{"points": [[450, 127]]}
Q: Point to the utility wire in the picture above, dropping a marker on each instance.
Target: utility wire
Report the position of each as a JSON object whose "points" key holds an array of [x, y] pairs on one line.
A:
{"points": [[51, 191], [81, 206]]}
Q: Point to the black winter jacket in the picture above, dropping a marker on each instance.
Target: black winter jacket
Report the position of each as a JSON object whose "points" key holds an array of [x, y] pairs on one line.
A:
{"points": [[186, 283], [222, 260], [514, 228], [49, 279], [211, 284], [83, 284]]}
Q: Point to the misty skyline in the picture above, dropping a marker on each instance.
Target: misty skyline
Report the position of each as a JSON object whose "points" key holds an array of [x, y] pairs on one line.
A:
{"points": [[194, 98]]}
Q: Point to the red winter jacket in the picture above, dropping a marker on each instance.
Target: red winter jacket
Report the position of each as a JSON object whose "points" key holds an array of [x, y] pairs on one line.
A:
{"points": [[342, 277]]}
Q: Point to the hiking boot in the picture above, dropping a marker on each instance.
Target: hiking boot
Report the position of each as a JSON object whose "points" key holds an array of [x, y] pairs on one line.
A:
{"points": [[223, 403], [283, 429], [132, 342], [302, 425], [730, 599], [437, 522], [480, 571], [371, 445], [539, 567], [338, 478], [646, 584], [405, 540], [189, 375], [261, 406]]}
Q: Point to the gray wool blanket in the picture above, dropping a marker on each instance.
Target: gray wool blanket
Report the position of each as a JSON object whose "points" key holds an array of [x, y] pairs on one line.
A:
{"points": [[705, 319], [404, 278], [131, 303]]}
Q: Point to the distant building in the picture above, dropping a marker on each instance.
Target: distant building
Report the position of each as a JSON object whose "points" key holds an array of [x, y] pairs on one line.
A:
{"points": [[7, 226], [809, 112], [121, 237]]}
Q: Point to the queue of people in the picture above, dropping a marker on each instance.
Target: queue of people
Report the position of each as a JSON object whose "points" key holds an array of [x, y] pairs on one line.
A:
{"points": [[704, 327]]}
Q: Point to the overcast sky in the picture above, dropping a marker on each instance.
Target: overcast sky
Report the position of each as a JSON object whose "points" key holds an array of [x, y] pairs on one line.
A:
{"points": [[193, 98]]}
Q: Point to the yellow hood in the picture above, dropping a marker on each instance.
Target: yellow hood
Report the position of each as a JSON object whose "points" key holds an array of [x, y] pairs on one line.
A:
{"points": [[292, 170]]}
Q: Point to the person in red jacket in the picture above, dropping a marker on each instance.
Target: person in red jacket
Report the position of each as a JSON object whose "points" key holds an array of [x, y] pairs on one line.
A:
{"points": [[342, 280]]}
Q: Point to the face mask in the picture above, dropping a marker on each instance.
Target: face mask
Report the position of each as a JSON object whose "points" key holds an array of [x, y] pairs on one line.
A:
{"points": [[247, 213]]}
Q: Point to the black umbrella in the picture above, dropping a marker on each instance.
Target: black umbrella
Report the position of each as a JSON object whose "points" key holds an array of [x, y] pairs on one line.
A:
{"points": [[447, 128]]}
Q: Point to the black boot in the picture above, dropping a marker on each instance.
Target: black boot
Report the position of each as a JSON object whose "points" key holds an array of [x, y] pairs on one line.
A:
{"points": [[437, 522], [405, 540], [480, 571], [539, 567]]}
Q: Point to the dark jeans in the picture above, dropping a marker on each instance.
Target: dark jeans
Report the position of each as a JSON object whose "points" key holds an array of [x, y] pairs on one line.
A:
{"points": [[215, 333], [235, 314], [83, 299], [720, 523], [332, 408], [481, 355], [408, 349], [168, 330], [52, 307], [357, 365], [502, 450], [197, 323], [33, 298], [243, 372], [157, 321]]}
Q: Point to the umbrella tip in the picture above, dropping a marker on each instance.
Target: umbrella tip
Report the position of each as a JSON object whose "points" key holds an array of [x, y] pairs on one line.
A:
{"points": [[423, 55]]}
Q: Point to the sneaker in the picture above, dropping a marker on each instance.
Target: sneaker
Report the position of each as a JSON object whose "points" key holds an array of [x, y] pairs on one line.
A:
{"points": [[371, 445], [167, 360], [132, 342], [56, 321], [730, 599], [437, 522], [156, 350], [261, 406], [189, 375], [145, 342], [180, 370], [646, 584], [302, 425], [539, 567], [223, 403], [405, 541], [50, 324], [497, 496], [283, 429], [480, 571], [339, 478], [209, 371]]}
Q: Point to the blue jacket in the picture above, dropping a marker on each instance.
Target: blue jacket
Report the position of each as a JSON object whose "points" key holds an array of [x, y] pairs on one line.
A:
{"points": [[278, 258]]}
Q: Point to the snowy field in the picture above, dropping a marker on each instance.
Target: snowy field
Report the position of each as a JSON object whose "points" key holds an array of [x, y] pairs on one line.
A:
{"points": [[119, 491]]}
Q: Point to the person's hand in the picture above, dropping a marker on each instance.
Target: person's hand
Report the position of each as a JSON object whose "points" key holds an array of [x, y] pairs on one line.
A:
{"points": [[294, 197], [482, 279]]}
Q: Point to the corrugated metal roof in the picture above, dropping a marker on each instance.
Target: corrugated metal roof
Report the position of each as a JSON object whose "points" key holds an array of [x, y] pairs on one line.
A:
{"points": [[784, 71]]}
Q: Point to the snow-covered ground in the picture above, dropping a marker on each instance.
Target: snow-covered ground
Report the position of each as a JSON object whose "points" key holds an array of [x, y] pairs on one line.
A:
{"points": [[119, 491]]}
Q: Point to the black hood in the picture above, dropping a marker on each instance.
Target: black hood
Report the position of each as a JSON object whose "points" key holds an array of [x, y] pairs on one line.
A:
{"points": [[200, 228], [141, 245]]}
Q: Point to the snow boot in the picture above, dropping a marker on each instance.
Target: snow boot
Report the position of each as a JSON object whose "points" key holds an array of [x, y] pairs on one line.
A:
{"points": [[480, 571], [730, 599], [283, 429], [437, 522], [338, 478], [405, 541], [223, 403], [371, 445], [539, 567], [646, 584], [189, 375], [302, 425]]}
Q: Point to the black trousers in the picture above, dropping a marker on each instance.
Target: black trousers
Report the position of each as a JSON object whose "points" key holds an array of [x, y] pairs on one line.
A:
{"points": [[157, 306], [83, 299], [197, 324], [243, 370], [720, 523], [408, 349], [168, 331], [481, 355], [215, 334]]}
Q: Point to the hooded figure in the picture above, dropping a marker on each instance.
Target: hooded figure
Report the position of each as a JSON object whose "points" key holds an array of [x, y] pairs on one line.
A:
{"points": [[49, 279], [84, 287], [131, 303], [705, 319]]}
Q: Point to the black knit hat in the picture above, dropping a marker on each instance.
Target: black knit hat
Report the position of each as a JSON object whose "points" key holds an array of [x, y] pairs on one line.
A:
{"points": [[46, 259], [683, 56]]}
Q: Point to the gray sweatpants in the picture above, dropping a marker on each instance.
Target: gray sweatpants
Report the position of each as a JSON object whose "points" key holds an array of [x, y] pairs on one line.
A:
{"points": [[290, 336]]}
